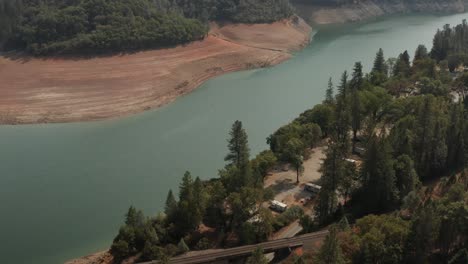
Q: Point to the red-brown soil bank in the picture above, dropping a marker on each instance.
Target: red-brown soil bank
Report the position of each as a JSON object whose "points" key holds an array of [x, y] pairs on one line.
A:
{"points": [[38, 90]]}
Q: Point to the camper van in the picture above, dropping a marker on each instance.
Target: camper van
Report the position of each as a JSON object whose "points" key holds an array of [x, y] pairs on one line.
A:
{"points": [[313, 188], [278, 206]]}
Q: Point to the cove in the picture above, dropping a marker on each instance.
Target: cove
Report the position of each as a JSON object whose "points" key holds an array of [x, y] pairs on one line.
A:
{"points": [[64, 188]]}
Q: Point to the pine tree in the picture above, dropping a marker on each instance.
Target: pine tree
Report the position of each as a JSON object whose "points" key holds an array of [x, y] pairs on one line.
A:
{"points": [[402, 66], [378, 175], [342, 122], [423, 234], [238, 157], [330, 252], [186, 188], [332, 174], [406, 177], [238, 146], [182, 246], [456, 143], [329, 93], [406, 58], [171, 205], [379, 63], [342, 88], [199, 200], [421, 53], [438, 51], [355, 101]]}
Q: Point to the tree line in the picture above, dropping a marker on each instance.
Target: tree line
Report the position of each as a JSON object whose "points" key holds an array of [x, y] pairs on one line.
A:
{"points": [[96, 26], [404, 122], [407, 117], [228, 205]]}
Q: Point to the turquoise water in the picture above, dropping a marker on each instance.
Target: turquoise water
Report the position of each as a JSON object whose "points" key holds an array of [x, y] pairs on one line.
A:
{"points": [[64, 188]]}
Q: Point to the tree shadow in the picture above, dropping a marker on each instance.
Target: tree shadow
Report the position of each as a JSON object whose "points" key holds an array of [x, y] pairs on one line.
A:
{"points": [[283, 185], [303, 194]]}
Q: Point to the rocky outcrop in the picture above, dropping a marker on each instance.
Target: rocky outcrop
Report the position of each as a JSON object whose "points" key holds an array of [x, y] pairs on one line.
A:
{"points": [[365, 9]]}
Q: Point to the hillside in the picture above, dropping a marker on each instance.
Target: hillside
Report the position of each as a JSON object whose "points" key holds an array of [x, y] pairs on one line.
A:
{"points": [[91, 26], [328, 12], [37, 90]]}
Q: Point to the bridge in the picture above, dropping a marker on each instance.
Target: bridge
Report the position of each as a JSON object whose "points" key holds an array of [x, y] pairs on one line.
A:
{"points": [[206, 256]]}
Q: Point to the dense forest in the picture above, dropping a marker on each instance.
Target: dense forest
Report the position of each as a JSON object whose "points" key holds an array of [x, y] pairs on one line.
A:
{"points": [[405, 201], [93, 26]]}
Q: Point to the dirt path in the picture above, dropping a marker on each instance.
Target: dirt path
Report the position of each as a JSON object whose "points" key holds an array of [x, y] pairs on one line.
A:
{"points": [[284, 182], [36, 90]]}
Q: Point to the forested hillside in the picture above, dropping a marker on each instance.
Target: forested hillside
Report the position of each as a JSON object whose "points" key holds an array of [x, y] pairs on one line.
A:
{"points": [[390, 135], [93, 26]]}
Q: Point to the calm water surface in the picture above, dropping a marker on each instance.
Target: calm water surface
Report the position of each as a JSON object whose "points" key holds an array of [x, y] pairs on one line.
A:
{"points": [[64, 188]]}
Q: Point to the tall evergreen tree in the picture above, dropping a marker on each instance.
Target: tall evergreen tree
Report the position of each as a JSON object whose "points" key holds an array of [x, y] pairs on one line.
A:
{"points": [[186, 187], [423, 234], [456, 143], [406, 177], [333, 169], [171, 206], [329, 93], [379, 62], [238, 156], [355, 101], [402, 66], [421, 53], [238, 146], [342, 121], [378, 175]]}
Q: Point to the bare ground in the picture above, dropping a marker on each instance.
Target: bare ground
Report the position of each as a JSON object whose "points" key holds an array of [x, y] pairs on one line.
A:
{"points": [[284, 182], [34, 90]]}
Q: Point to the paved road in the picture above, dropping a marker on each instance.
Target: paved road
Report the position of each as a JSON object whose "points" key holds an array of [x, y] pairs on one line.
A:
{"points": [[270, 246]]}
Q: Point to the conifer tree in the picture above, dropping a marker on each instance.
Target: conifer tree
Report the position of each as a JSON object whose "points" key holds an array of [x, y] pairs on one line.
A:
{"points": [[238, 146], [421, 53], [406, 177], [238, 157], [379, 62], [378, 175], [182, 246], [329, 93], [170, 208], [355, 101], [332, 174]]}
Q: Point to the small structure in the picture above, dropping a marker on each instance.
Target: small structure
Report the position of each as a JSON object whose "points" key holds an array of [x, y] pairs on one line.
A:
{"points": [[351, 160], [360, 151], [278, 206], [313, 188]]}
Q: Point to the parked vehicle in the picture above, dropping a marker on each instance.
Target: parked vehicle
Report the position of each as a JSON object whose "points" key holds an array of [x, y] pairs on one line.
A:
{"points": [[313, 188], [278, 206]]}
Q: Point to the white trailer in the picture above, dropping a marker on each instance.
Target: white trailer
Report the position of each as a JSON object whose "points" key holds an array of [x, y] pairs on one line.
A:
{"points": [[278, 206]]}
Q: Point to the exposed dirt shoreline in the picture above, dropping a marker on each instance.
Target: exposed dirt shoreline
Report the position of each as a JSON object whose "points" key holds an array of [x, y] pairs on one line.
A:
{"points": [[34, 90]]}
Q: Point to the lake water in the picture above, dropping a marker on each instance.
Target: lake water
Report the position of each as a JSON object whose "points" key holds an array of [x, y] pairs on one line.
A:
{"points": [[64, 188]]}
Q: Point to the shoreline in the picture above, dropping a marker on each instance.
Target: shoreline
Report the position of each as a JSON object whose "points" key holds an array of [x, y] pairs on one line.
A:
{"points": [[369, 9], [54, 90]]}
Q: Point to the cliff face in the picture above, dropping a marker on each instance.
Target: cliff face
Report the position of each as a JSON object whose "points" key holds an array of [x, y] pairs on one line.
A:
{"points": [[365, 9]]}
